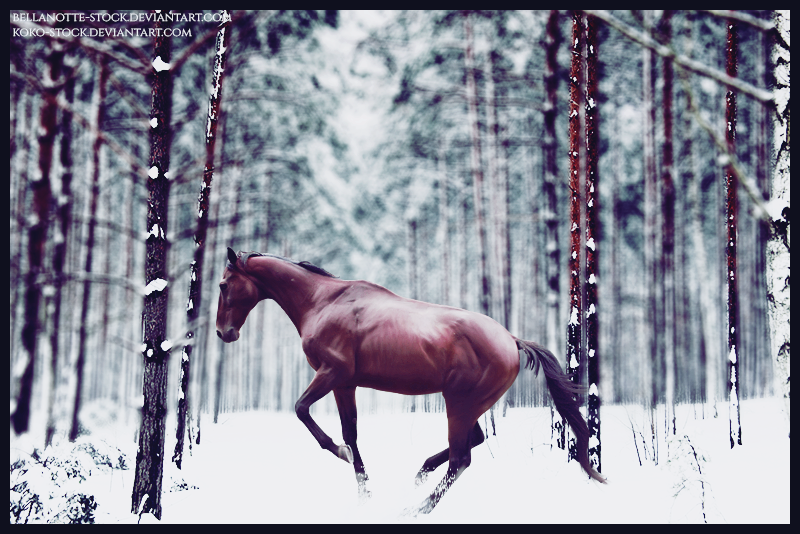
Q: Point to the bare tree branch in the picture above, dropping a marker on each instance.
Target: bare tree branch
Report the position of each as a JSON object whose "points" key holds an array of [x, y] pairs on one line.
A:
{"points": [[763, 25], [745, 181], [697, 67]]}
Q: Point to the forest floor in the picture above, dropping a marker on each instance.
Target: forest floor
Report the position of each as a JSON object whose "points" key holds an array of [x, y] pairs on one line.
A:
{"points": [[264, 467]]}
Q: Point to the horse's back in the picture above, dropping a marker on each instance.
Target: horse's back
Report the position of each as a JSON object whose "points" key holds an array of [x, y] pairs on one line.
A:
{"points": [[413, 347]]}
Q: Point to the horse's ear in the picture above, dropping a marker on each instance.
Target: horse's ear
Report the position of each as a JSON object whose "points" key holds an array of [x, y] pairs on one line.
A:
{"points": [[231, 256]]}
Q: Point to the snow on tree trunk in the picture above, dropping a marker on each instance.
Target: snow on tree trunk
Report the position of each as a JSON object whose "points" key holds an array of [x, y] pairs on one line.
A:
{"points": [[146, 495], [592, 223], [196, 271], [731, 223], [573, 353], [778, 244]]}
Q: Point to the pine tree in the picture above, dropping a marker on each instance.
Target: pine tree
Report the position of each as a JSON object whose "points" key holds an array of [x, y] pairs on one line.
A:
{"points": [[194, 304], [98, 106], [592, 223], [37, 231], [732, 226], [778, 288], [146, 496], [574, 326]]}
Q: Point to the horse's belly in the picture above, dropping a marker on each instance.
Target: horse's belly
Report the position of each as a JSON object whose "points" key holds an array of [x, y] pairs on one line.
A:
{"points": [[398, 369], [402, 385]]}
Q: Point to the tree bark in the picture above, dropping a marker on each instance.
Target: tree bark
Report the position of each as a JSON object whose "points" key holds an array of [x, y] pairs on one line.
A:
{"points": [[732, 223], [592, 223], [194, 304], [485, 295], [63, 211], [574, 326], [98, 105], [37, 232], [550, 179], [668, 232], [778, 243], [146, 496]]}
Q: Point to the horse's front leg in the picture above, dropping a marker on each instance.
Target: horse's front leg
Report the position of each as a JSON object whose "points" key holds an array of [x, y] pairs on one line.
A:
{"points": [[346, 402], [324, 381]]}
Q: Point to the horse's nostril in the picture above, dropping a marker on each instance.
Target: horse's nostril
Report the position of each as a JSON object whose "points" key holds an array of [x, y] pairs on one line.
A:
{"points": [[219, 334]]}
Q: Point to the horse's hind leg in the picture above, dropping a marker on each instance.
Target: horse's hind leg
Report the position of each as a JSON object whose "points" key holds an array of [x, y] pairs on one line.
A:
{"points": [[346, 402], [438, 459], [460, 431]]}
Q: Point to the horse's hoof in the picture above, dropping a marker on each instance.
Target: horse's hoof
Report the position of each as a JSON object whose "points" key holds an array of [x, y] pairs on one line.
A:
{"points": [[424, 508], [345, 453], [421, 478], [363, 494]]}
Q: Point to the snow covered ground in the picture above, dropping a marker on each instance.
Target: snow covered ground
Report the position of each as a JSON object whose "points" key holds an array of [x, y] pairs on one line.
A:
{"points": [[262, 467]]}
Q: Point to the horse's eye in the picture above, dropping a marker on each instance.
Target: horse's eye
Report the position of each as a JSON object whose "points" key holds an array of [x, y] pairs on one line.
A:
{"points": [[223, 286]]}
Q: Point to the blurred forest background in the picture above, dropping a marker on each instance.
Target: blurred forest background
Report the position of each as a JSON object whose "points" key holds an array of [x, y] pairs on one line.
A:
{"points": [[346, 139]]}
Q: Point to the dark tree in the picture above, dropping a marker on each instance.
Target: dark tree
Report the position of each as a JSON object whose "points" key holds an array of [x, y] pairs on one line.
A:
{"points": [[146, 495], [550, 180], [592, 223], [668, 230], [37, 231], [485, 293], [574, 329], [193, 306], [731, 223], [98, 106]]}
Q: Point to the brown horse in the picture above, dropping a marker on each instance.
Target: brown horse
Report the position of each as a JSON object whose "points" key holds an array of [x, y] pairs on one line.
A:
{"points": [[356, 333]]}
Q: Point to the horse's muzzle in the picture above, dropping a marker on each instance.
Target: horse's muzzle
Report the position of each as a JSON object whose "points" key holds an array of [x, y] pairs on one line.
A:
{"points": [[229, 336]]}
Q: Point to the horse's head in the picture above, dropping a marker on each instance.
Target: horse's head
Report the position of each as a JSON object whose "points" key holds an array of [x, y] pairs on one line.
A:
{"points": [[237, 296]]}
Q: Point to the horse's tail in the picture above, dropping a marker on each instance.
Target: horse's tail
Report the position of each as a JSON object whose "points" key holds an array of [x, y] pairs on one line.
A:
{"points": [[563, 391]]}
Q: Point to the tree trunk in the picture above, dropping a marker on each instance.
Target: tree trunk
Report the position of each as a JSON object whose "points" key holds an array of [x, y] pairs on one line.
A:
{"points": [[444, 223], [63, 212], [732, 223], [668, 232], [650, 202], [146, 496], [778, 243], [592, 224], [574, 326], [550, 180], [485, 295], [98, 106], [37, 234], [194, 304]]}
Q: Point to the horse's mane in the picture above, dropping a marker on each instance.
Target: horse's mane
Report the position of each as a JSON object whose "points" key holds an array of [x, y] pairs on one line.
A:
{"points": [[304, 264]]}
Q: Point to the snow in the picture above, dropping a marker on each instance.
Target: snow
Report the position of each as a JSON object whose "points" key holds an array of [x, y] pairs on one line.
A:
{"points": [[156, 285], [153, 172], [159, 64], [265, 467]]}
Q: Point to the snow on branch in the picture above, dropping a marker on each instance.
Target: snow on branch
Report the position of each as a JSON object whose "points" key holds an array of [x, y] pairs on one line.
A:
{"points": [[697, 67], [763, 25]]}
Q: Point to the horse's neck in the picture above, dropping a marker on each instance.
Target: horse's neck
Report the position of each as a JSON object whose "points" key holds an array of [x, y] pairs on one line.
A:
{"points": [[295, 289]]}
